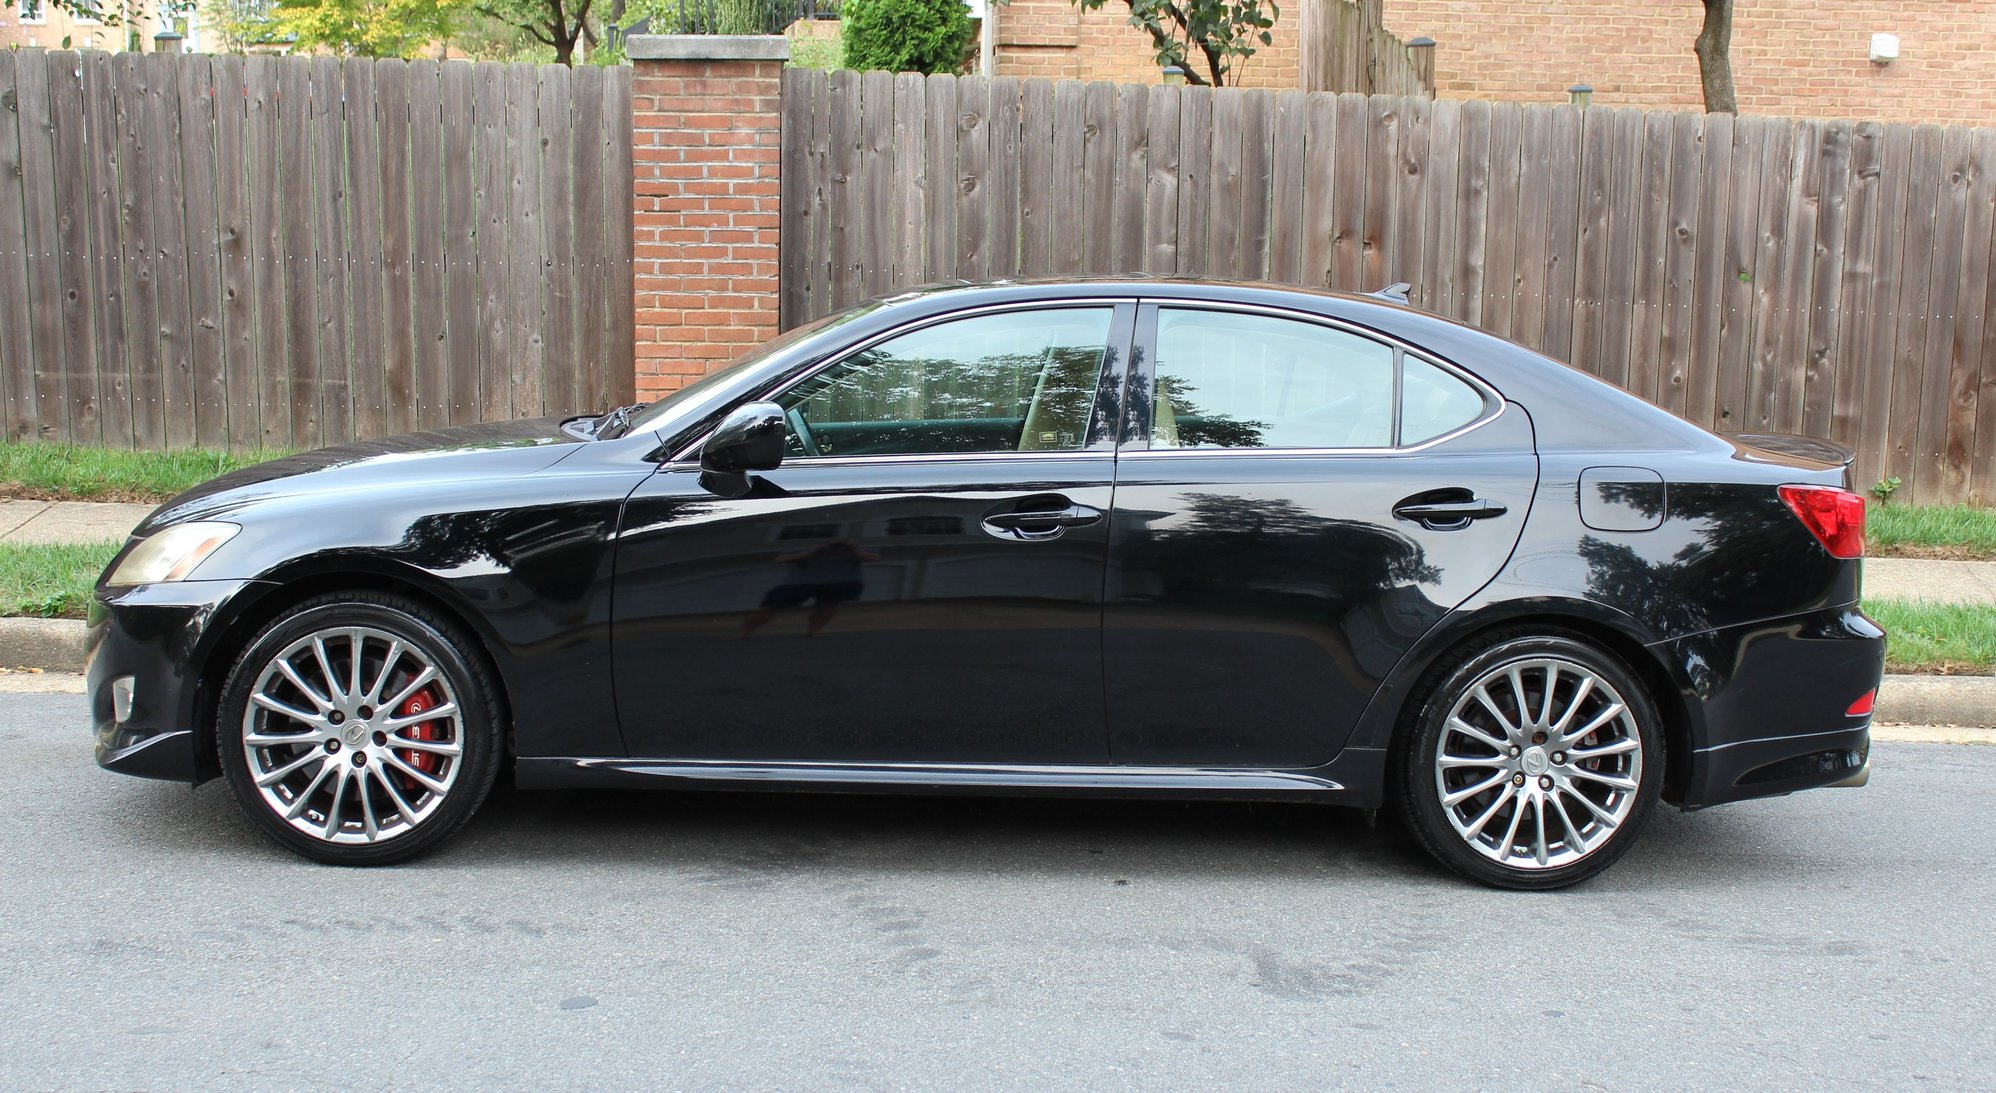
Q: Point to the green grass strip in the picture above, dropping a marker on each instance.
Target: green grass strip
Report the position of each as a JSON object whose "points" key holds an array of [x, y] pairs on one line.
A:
{"points": [[1933, 531], [70, 472], [1943, 638], [50, 580]]}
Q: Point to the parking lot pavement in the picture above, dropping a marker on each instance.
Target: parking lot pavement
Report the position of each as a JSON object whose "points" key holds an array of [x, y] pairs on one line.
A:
{"points": [[149, 939]]}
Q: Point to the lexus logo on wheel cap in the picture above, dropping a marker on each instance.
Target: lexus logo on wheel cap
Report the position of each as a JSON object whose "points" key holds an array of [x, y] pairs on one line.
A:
{"points": [[356, 732]]}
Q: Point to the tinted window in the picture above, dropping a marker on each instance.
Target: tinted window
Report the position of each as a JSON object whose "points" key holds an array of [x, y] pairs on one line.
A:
{"points": [[1433, 402], [1019, 381], [1228, 380]]}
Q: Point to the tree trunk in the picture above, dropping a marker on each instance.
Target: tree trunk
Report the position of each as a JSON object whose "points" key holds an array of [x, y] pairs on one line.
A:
{"points": [[1715, 58]]}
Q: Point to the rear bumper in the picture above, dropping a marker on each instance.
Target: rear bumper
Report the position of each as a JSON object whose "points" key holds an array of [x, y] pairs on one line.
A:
{"points": [[1772, 698], [146, 648]]}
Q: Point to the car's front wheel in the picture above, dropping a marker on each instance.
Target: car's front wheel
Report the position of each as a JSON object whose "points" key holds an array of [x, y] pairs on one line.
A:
{"points": [[1531, 761], [360, 729]]}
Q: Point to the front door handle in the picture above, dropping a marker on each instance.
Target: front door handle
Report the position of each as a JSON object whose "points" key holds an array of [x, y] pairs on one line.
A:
{"points": [[1448, 515], [1039, 523]]}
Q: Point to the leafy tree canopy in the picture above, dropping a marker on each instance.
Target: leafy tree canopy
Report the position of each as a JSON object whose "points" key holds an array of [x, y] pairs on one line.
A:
{"points": [[905, 35], [1221, 32], [368, 28]]}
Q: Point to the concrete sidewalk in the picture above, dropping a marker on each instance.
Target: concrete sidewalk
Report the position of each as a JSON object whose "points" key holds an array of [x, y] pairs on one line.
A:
{"points": [[68, 521], [1930, 580]]}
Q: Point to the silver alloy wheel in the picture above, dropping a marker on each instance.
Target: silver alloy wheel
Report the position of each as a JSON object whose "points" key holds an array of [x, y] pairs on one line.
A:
{"points": [[1539, 763], [327, 749]]}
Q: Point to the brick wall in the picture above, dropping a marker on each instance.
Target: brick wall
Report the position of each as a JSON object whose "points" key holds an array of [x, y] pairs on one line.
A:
{"points": [[1055, 40], [706, 140], [1802, 58]]}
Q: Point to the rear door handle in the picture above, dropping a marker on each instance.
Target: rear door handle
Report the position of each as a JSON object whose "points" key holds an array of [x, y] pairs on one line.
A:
{"points": [[1039, 523], [1449, 515]]}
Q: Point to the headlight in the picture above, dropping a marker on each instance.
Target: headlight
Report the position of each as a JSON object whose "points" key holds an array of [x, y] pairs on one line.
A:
{"points": [[172, 554]]}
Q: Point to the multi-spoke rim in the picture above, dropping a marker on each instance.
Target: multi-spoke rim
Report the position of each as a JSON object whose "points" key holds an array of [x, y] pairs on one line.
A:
{"points": [[1539, 763], [353, 735]]}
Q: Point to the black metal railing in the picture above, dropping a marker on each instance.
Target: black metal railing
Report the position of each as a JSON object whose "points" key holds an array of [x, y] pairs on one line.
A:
{"points": [[736, 16]]}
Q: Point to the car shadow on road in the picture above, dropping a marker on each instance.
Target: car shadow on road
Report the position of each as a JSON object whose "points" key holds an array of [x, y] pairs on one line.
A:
{"points": [[748, 838]]}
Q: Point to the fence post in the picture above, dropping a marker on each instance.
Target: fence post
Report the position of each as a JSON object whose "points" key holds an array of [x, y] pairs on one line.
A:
{"points": [[1422, 52], [706, 132]]}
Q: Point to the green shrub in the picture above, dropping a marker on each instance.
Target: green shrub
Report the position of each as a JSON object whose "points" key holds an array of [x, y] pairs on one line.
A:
{"points": [[905, 35]]}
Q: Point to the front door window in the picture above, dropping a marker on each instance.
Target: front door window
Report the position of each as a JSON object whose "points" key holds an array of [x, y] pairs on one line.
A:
{"points": [[1014, 382]]}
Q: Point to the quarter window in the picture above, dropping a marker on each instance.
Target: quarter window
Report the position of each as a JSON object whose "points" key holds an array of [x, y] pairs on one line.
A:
{"points": [[1011, 382], [1433, 402]]}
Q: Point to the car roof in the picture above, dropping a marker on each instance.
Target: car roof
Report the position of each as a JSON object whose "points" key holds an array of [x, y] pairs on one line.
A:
{"points": [[1570, 409]]}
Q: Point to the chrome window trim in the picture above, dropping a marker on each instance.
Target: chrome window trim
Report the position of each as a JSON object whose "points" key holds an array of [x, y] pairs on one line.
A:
{"points": [[1104, 454], [1493, 400], [1112, 302]]}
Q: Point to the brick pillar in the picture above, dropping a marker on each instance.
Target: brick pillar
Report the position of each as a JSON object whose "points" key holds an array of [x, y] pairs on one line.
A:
{"points": [[705, 132]]}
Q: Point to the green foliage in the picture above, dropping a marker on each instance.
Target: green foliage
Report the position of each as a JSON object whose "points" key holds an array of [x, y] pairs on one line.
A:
{"points": [[483, 37], [561, 25], [1222, 33], [1885, 488], [812, 52], [711, 16], [1931, 531], [50, 580], [70, 472], [1948, 638], [905, 35], [115, 13], [239, 24], [368, 28]]}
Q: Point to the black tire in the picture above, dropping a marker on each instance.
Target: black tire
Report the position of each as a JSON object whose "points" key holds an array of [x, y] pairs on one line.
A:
{"points": [[1564, 851], [462, 677]]}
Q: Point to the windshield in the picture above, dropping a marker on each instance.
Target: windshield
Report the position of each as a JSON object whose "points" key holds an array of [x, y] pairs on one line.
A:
{"points": [[694, 391]]}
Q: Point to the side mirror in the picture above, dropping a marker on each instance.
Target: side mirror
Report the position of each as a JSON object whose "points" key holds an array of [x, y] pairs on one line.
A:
{"points": [[750, 438]]}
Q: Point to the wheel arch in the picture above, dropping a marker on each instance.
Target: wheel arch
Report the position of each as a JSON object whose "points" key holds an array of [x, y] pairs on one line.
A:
{"points": [[292, 585], [1669, 689]]}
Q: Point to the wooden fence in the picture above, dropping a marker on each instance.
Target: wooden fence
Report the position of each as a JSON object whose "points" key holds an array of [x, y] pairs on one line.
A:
{"points": [[1345, 46], [1746, 273], [264, 252]]}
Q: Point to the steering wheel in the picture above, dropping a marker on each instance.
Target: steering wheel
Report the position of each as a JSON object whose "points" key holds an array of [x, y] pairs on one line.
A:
{"points": [[801, 431]]}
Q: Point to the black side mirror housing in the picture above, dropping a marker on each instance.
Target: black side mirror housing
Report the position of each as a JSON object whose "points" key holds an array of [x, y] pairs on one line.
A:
{"points": [[750, 438]]}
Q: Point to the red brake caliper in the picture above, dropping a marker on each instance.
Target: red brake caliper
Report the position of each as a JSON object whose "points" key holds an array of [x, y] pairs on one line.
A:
{"points": [[427, 762]]}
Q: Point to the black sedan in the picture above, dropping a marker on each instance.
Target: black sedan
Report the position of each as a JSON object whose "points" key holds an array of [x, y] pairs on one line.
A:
{"points": [[1120, 537]]}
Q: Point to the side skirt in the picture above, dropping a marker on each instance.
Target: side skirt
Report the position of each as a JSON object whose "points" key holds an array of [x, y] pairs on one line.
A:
{"points": [[1352, 780]]}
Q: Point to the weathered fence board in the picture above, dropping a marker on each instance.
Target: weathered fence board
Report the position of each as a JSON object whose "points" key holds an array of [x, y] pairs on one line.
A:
{"points": [[264, 252], [1745, 273]]}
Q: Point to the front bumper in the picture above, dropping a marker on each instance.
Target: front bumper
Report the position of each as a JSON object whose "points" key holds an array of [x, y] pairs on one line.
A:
{"points": [[147, 649], [1774, 699]]}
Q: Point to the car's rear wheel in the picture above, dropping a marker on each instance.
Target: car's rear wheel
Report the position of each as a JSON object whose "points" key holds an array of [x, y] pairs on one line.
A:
{"points": [[1531, 761], [360, 729]]}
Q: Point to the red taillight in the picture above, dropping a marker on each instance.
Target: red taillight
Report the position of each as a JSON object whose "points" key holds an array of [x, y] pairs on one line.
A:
{"points": [[1862, 707], [1834, 516]]}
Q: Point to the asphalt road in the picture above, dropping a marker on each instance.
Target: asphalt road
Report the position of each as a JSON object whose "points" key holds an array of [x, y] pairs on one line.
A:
{"points": [[149, 940]]}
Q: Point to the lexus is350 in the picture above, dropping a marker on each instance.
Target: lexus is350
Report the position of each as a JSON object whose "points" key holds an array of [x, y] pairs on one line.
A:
{"points": [[1110, 537]]}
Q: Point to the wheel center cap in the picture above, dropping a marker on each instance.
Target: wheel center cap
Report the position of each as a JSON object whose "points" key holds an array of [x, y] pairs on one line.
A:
{"points": [[356, 732], [1535, 761]]}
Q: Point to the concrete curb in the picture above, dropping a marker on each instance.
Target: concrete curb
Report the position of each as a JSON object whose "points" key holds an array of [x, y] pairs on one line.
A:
{"points": [[1938, 700], [56, 645]]}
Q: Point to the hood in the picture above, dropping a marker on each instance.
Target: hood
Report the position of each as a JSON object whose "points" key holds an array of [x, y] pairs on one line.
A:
{"points": [[500, 448]]}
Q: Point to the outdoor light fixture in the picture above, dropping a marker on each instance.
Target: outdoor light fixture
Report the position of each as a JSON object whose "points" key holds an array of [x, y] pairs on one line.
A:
{"points": [[1884, 48]]}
